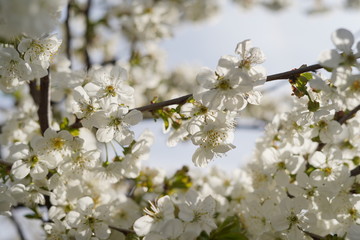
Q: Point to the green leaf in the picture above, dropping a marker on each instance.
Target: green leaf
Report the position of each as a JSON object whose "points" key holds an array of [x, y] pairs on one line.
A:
{"points": [[307, 75], [230, 229], [313, 106], [180, 180], [64, 124], [309, 170], [333, 237], [132, 236]]}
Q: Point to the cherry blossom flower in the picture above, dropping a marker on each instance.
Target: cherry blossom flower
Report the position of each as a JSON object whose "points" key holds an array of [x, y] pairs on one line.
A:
{"points": [[159, 213], [197, 213]]}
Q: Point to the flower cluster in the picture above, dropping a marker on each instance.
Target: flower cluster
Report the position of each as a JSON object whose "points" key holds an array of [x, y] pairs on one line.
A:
{"points": [[194, 216], [218, 100], [302, 181], [29, 61]]}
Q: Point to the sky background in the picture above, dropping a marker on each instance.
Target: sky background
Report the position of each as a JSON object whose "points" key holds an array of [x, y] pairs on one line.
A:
{"points": [[288, 38]]}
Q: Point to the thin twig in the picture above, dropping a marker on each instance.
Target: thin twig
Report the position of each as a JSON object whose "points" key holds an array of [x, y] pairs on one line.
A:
{"points": [[87, 35], [18, 228], [122, 230], [349, 115], [159, 105], [288, 74], [342, 120], [7, 164], [44, 103], [67, 31]]}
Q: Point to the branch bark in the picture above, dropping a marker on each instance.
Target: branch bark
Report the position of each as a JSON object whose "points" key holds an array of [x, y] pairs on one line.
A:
{"points": [[34, 91], [342, 120], [18, 227], [44, 103], [87, 35], [122, 230], [67, 31]]}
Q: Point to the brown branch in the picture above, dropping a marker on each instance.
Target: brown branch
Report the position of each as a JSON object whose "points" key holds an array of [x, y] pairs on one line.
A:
{"points": [[288, 74], [34, 91], [349, 115], [18, 227], [341, 120], [67, 31], [87, 35], [122, 230], [159, 105], [6, 164], [44, 103]]}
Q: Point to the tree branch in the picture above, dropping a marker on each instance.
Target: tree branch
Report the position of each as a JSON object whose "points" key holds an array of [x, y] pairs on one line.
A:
{"points": [[278, 76], [87, 35], [288, 74], [159, 105], [122, 230], [18, 228], [6, 164], [341, 120], [67, 31], [349, 115], [44, 103], [34, 91]]}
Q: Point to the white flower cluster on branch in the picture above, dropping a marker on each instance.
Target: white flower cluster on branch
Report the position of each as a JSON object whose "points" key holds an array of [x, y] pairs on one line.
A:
{"points": [[75, 152]]}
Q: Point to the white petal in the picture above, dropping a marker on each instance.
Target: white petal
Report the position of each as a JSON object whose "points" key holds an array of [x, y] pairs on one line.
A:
{"points": [[201, 158], [20, 169], [186, 213], [39, 171], [105, 134], [85, 205], [133, 117], [343, 39], [142, 226], [329, 58], [73, 218], [102, 230], [118, 73], [243, 47]]}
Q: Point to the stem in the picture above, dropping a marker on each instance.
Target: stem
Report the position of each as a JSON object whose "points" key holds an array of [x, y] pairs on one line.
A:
{"points": [[87, 35], [18, 228], [34, 91], [159, 105], [44, 103], [67, 31], [122, 230], [342, 120], [349, 115], [6, 164], [288, 74]]}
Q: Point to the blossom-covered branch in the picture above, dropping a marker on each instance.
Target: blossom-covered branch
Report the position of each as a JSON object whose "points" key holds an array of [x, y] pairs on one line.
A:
{"points": [[278, 76]]}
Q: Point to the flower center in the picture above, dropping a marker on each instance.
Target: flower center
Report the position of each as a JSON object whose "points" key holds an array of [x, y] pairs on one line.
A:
{"points": [[110, 90], [213, 138], [58, 143], [223, 84]]}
